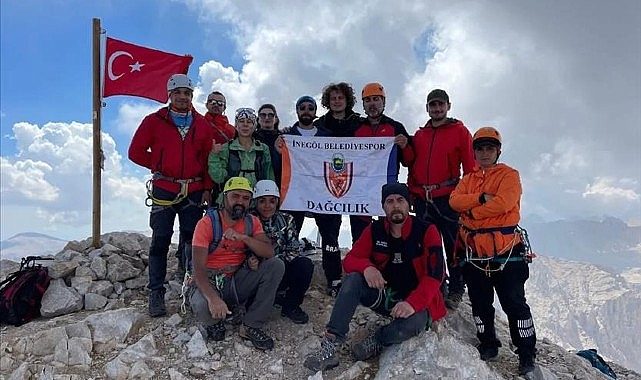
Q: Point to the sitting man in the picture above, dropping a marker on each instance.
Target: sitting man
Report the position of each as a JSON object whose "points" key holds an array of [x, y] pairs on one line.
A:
{"points": [[395, 268], [281, 229], [226, 271]]}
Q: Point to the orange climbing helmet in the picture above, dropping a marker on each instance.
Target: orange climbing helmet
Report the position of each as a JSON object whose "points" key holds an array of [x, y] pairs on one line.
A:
{"points": [[372, 89], [487, 136]]}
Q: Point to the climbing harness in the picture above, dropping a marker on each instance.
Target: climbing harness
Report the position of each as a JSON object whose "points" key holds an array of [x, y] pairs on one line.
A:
{"points": [[182, 194], [483, 263]]}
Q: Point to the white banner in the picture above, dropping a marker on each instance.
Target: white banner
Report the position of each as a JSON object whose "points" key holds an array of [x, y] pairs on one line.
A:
{"points": [[331, 175]]}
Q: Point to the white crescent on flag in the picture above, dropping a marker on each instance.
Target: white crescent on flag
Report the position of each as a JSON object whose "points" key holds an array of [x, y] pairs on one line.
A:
{"points": [[111, 60]]}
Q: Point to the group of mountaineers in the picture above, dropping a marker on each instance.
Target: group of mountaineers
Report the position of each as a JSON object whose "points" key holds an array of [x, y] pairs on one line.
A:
{"points": [[453, 226]]}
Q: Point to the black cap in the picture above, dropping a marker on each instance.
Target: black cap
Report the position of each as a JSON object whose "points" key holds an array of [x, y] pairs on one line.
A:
{"points": [[395, 188], [438, 94]]}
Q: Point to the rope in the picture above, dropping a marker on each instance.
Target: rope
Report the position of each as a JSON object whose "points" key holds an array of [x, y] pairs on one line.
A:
{"points": [[526, 256]]}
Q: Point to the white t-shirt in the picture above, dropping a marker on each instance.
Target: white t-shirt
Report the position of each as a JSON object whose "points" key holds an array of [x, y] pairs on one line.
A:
{"points": [[308, 132]]}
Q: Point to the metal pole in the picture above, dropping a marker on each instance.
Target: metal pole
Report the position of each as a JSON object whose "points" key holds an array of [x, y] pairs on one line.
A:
{"points": [[97, 143]]}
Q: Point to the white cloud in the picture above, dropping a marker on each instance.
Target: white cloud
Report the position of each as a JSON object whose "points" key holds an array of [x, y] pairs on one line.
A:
{"points": [[565, 96], [609, 189], [130, 114], [27, 179], [47, 185]]}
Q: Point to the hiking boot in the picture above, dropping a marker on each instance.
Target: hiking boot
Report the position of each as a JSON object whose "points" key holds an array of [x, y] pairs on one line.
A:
{"points": [[259, 339], [216, 332], [367, 348], [297, 315], [157, 303], [453, 300], [334, 288], [237, 315], [488, 352], [326, 356], [526, 364]]}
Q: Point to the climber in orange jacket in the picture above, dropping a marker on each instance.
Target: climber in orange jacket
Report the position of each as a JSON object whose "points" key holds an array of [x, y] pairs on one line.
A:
{"points": [[492, 250]]}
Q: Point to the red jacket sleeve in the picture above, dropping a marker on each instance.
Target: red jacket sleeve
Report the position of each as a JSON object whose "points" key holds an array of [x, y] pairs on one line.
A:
{"points": [[467, 152], [427, 294], [358, 258], [141, 142]]}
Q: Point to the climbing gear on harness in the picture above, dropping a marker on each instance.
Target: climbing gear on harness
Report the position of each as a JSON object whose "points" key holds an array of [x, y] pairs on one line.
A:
{"points": [[182, 194], [430, 188], [472, 257]]}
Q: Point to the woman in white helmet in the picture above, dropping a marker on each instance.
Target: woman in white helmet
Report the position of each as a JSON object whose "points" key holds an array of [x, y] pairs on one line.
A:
{"points": [[281, 229]]}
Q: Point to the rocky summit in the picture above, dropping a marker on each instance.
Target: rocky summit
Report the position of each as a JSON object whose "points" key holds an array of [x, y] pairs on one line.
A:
{"points": [[94, 325]]}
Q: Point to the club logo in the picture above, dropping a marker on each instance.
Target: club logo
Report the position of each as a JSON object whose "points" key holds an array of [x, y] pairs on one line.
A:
{"points": [[338, 175]]}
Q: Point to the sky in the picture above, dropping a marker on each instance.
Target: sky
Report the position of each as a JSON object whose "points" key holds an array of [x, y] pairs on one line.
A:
{"points": [[560, 80]]}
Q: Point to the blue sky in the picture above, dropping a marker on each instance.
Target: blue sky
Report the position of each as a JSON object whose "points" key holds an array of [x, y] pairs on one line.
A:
{"points": [[47, 47], [552, 90]]}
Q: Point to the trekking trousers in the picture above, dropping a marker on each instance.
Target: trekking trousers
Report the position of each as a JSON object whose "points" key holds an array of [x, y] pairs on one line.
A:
{"points": [[254, 289], [161, 221], [296, 281], [329, 226], [510, 289], [354, 292]]}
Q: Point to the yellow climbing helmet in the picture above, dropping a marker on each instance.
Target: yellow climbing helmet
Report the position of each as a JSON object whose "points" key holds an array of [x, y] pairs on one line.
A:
{"points": [[237, 183]]}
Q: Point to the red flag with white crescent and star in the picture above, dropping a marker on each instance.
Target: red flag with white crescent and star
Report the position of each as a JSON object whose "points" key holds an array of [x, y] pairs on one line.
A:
{"points": [[140, 71]]}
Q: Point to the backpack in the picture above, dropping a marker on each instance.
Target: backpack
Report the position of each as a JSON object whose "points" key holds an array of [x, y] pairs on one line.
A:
{"points": [[235, 169], [21, 292], [597, 361], [217, 227]]}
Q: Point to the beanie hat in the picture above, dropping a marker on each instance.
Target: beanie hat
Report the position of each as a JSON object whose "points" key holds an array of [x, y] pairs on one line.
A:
{"points": [[306, 98], [395, 188]]}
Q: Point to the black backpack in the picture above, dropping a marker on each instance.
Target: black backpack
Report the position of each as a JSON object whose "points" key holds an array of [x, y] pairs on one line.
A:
{"points": [[597, 361], [21, 292]]}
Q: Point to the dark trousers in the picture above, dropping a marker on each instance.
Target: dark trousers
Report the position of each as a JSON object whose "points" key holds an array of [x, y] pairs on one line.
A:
{"points": [[329, 226], [439, 213], [510, 289], [296, 280], [354, 292], [161, 221], [357, 224], [254, 288]]}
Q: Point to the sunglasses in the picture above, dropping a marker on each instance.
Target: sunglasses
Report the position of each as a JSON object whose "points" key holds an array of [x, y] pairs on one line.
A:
{"points": [[219, 103], [264, 115], [245, 113], [306, 108]]}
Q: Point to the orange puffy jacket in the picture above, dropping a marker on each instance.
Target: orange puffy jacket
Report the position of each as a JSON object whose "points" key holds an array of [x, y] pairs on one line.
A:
{"points": [[488, 229]]}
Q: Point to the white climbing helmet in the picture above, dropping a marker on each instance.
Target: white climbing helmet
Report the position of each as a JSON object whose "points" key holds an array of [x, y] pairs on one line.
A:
{"points": [[179, 80], [266, 187]]}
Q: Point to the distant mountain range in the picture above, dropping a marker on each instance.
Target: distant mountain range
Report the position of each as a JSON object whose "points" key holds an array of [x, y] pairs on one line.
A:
{"points": [[608, 243], [30, 243]]}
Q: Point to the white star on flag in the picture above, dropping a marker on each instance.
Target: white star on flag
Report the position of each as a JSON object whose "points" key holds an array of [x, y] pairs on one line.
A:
{"points": [[136, 66]]}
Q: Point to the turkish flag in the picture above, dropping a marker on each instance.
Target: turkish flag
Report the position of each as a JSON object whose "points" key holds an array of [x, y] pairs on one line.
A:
{"points": [[139, 71]]}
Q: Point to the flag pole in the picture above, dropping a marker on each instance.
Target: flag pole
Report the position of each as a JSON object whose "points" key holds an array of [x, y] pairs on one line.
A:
{"points": [[97, 144]]}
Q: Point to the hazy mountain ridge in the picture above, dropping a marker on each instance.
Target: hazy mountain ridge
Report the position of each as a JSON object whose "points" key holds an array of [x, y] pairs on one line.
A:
{"points": [[578, 305], [609, 242], [30, 243]]}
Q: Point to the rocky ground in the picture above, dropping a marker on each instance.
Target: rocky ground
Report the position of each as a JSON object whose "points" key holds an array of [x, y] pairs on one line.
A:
{"points": [[119, 340]]}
